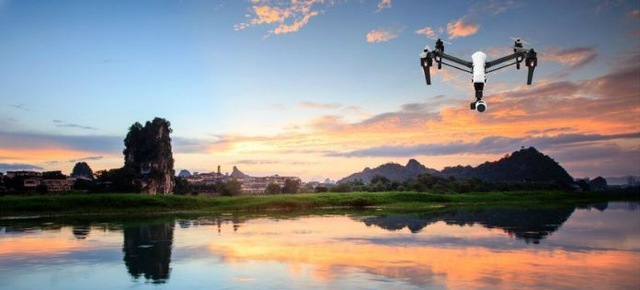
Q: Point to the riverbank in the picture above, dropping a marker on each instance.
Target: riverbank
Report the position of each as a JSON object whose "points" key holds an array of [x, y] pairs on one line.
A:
{"points": [[141, 204]]}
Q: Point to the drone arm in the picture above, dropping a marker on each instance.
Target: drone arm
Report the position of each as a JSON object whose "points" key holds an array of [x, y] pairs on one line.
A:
{"points": [[451, 58], [504, 59]]}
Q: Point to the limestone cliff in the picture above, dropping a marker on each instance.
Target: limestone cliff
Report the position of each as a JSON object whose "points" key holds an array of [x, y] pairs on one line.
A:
{"points": [[148, 153]]}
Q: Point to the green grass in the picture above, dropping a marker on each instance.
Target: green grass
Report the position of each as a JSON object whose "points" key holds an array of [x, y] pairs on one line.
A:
{"points": [[144, 204]]}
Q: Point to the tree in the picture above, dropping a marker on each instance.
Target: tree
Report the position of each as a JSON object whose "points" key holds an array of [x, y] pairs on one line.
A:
{"points": [[321, 188], [380, 179], [598, 184], [291, 186], [182, 186], [273, 188], [82, 169], [231, 188], [340, 187], [53, 175], [117, 180]]}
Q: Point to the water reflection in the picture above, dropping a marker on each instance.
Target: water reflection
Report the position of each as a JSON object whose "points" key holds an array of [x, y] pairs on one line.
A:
{"points": [[81, 231], [147, 251], [556, 246], [528, 224]]}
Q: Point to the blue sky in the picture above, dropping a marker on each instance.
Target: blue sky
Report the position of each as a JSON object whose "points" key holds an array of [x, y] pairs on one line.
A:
{"points": [[79, 70]]}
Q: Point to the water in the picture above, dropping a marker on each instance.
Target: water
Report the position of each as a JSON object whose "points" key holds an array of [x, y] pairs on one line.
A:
{"points": [[555, 247]]}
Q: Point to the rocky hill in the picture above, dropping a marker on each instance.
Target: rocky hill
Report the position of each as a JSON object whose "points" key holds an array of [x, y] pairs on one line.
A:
{"points": [[392, 171], [148, 153], [527, 164]]}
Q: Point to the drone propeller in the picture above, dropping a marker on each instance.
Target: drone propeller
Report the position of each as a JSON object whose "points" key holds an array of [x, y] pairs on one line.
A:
{"points": [[518, 39]]}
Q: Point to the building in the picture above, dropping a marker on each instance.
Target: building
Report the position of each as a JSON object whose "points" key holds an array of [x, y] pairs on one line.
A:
{"points": [[249, 184], [58, 185], [23, 173], [52, 185], [258, 185], [31, 183]]}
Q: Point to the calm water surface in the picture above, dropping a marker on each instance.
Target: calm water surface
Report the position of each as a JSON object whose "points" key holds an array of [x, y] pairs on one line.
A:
{"points": [[557, 247]]}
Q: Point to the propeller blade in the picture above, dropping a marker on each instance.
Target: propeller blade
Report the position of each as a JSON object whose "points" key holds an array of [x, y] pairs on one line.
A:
{"points": [[520, 39]]}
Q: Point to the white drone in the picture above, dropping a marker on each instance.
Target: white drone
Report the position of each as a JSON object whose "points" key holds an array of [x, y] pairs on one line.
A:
{"points": [[479, 66]]}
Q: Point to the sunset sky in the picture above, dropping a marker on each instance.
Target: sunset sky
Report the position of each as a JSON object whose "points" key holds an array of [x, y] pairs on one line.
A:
{"points": [[316, 88]]}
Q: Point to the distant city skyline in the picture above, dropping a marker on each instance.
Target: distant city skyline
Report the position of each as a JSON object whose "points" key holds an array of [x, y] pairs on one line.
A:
{"points": [[316, 88]]}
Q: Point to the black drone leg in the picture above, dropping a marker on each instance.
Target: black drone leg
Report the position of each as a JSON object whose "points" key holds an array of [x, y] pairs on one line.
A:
{"points": [[478, 87]]}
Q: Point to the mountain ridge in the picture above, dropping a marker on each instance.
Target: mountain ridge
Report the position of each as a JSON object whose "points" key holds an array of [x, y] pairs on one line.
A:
{"points": [[524, 165]]}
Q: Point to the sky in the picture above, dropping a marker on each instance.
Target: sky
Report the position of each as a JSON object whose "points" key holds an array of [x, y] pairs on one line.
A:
{"points": [[316, 88]]}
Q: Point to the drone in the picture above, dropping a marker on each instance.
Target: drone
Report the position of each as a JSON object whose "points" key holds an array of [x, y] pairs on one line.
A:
{"points": [[479, 66]]}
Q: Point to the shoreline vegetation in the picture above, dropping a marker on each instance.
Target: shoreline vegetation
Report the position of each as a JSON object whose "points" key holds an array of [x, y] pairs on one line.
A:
{"points": [[134, 203]]}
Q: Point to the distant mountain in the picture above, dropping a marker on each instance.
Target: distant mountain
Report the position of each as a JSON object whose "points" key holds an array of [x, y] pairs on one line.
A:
{"points": [[236, 173], [624, 180], [184, 173], [393, 171], [522, 165]]}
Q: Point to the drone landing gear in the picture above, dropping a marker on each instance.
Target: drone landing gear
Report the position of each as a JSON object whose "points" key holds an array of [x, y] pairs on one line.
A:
{"points": [[479, 105]]}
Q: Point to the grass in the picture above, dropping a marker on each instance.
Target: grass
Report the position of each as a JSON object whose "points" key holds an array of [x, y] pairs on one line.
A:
{"points": [[144, 204]]}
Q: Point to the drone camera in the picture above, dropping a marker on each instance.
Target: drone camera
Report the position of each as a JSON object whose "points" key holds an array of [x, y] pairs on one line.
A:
{"points": [[479, 106]]}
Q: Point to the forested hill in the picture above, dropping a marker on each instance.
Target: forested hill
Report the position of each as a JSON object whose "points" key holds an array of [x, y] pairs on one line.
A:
{"points": [[527, 164], [392, 171]]}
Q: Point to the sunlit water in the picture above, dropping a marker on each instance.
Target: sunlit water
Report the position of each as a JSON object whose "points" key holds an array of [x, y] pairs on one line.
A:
{"points": [[558, 247]]}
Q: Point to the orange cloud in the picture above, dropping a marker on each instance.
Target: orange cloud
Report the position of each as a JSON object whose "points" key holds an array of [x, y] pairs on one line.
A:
{"points": [[461, 28], [287, 16], [575, 57], [384, 4], [381, 35], [312, 105], [431, 33]]}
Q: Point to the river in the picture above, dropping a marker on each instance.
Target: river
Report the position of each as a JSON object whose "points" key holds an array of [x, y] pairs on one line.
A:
{"points": [[594, 246]]}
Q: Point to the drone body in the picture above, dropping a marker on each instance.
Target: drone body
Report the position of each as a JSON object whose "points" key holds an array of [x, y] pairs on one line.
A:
{"points": [[479, 66]]}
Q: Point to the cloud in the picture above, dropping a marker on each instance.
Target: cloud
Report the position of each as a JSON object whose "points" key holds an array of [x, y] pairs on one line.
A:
{"points": [[383, 4], [599, 159], [461, 28], [286, 16], [605, 99], [89, 158], [270, 162], [408, 117], [35, 141], [21, 107], [381, 35], [63, 124], [551, 130], [633, 14], [575, 57], [496, 7], [487, 145], [431, 33], [604, 5], [312, 105], [18, 166]]}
